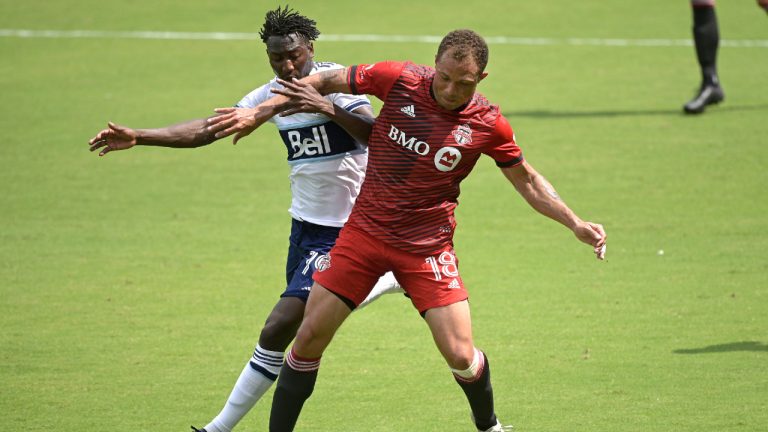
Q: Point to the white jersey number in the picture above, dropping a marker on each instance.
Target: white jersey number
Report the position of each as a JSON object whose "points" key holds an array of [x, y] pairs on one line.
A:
{"points": [[445, 264]]}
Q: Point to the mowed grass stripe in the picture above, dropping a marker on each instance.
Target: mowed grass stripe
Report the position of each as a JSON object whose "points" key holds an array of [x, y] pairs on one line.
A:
{"points": [[499, 40]]}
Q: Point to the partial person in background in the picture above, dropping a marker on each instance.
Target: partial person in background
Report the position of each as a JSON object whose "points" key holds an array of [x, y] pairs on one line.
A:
{"points": [[706, 38], [326, 139]]}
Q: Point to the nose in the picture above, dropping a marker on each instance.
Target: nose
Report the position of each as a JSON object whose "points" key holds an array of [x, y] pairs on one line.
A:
{"points": [[450, 91], [288, 67]]}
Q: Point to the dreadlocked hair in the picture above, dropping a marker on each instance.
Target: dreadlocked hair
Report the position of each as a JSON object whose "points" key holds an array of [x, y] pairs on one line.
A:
{"points": [[465, 43], [285, 22]]}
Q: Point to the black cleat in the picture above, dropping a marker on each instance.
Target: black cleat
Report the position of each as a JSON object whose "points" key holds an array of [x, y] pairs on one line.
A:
{"points": [[198, 430], [708, 95]]}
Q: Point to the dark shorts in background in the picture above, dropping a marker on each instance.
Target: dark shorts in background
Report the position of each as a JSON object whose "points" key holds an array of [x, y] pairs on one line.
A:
{"points": [[309, 246]]}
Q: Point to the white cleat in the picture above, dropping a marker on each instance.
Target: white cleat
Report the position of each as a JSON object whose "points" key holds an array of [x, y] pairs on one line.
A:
{"points": [[387, 284], [498, 427]]}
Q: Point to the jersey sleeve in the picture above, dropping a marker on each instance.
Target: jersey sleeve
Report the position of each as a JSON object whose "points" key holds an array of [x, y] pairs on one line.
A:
{"points": [[348, 102], [504, 149], [374, 79], [254, 98]]}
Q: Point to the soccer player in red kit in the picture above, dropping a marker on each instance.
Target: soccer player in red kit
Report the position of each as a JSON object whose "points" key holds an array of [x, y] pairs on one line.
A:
{"points": [[431, 131]]}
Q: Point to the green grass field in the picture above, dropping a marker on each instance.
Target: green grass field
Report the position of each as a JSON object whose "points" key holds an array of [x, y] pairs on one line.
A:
{"points": [[133, 287]]}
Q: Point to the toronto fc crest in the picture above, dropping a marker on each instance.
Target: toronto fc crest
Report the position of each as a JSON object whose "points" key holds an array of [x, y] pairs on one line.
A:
{"points": [[323, 262], [463, 135]]}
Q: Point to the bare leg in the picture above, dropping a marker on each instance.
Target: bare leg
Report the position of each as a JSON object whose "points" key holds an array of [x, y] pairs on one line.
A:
{"points": [[282, 324], [324, 314], [451, 328]]}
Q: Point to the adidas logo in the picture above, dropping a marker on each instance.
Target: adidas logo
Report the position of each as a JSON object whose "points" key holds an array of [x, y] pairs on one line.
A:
{"points": [[454, 284], [408, 110]]}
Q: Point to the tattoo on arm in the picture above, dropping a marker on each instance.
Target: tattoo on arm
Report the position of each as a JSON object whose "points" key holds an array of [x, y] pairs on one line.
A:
{"points": [[549, 188], [332, 81], [326, 77]]}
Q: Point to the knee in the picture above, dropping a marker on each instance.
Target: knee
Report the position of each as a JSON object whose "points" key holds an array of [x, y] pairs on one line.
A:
{"points": [[279, 331], [311, 339], [308, 332], [472, 371], [460, 357]]}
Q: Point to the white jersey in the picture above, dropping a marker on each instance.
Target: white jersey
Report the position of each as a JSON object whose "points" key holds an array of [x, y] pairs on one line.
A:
{"points": [[327, 164]]}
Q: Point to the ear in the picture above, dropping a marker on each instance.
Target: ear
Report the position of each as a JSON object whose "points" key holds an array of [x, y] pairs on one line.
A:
{"points": [[437, 58], [311, 48], [482, 76]]}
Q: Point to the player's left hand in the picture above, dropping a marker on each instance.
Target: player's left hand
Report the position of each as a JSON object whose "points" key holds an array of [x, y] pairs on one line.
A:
{"points": [[592, 234], [304, 98], [763, 4]]}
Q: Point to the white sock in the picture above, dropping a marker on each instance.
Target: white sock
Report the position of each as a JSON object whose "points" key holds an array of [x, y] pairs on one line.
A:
{"points": [[386, 284], [257, 377]]}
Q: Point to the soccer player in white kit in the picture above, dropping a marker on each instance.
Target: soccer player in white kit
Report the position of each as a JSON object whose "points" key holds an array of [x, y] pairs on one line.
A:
{"points": [[326, 141]]}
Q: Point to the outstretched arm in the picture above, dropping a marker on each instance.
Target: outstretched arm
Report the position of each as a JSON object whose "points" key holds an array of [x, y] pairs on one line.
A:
{"points": [[543, 198], [189, 134], [243, 121]]}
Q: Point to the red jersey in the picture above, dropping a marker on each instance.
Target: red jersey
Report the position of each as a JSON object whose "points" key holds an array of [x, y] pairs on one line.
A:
{"points": [[419, 152]]}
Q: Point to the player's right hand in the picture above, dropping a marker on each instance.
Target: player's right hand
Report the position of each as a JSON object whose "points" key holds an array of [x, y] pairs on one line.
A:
{"points": [[114, 137], [238, 121], [303, 98]]}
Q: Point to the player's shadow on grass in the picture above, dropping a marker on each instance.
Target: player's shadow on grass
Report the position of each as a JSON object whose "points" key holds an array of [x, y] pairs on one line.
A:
{"points": [[729, 347], [553, 114], [549, 114]]}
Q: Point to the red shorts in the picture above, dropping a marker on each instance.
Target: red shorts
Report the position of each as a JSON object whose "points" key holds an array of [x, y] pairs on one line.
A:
{"points": [[358, 260]]}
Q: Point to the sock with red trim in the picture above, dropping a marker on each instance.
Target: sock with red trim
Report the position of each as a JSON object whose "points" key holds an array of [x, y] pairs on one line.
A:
{"points": [[476, 383], [294, 386]]}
